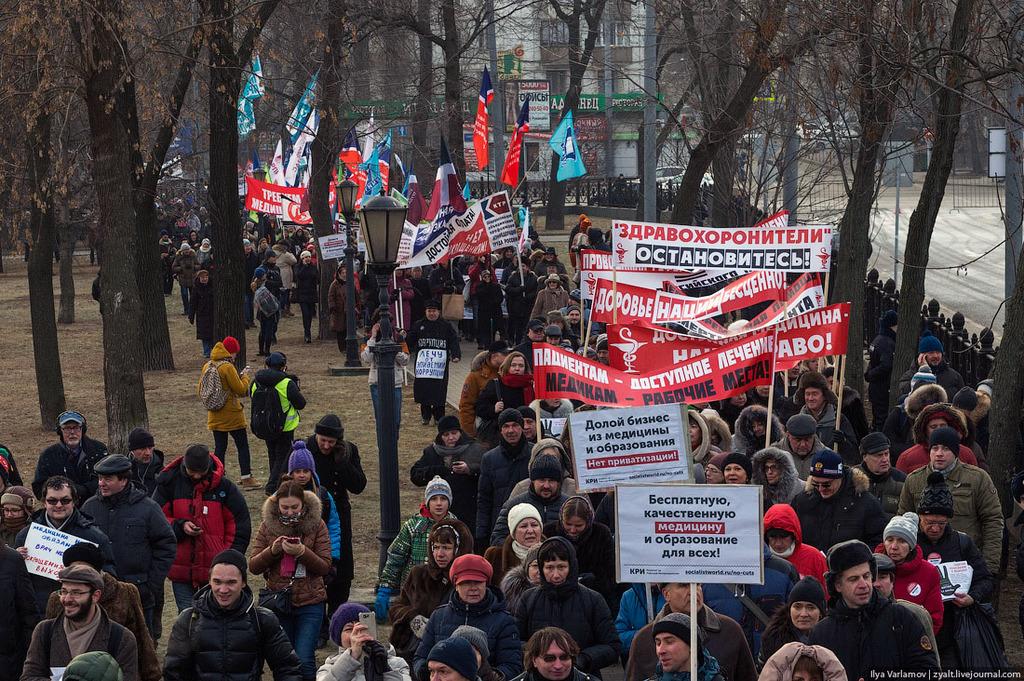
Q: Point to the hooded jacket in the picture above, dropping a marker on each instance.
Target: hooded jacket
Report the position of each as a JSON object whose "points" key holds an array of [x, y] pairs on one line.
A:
{"points": [[718, 427], [500, 469], [576, 609], [480, 374], [437, 459], [211, 643], [312, 532], [780, 666], [808, 561], [917, 581], [215, 505], [850, 513], [568, 482], [230, 416], [594, 548], [899, 424], [744, 440], [789, 484], [489, 616], [916, 456]]}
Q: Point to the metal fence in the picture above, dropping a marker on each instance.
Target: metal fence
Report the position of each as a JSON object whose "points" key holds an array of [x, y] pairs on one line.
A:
{"points": [[971, 354], [605, 192], [975, 192]]}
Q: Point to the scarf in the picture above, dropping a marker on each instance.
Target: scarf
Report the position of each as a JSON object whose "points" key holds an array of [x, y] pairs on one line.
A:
{"points": [[80, 635], [520, 550], [292, 520], [524, 381], [49, 522], [949, 469]]}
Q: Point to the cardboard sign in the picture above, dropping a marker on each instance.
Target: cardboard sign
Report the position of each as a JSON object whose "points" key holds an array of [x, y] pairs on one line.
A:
{"points": [[431, 363], [954, 577], [689, 533], [615, 446], [501, 226], [332, 246], [46, 549]]}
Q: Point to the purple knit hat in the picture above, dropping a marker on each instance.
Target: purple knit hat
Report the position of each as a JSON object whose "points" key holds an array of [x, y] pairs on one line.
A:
{"points": [[346, 613], [300, 458]]}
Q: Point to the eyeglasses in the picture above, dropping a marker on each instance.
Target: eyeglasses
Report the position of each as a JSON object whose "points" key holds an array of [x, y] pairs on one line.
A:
{"points": [[935, 523], [76, 594], [63, 501], [821, 485], [770, 467], [561, 658], [71, 427]]}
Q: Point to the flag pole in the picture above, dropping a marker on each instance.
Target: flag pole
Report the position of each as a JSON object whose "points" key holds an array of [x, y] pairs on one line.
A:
{"points": [[839, 393]]}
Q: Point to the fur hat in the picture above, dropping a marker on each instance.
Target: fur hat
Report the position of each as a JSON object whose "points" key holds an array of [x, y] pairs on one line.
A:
{"points": [[812, 379], [844, 556]]}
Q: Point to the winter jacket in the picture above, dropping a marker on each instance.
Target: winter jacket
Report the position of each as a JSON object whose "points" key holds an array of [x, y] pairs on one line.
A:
{"points": [[425, 334], [878, 636], [44, 655], [140, 536], [945, 375], [724, 639], [576, 609], [549, 299], [337, 302], [744, 441], [886, 488], [850, 513], [507, 389], [312, 532], [276, 274], [215, 505], [438, 459], [548, 509], [17, 600], [632, 615], [801, 463], [144, 474], [917, 581], [595, 548], [879, 369], [185, 266], [779, 666], [521, 293], [409, 548], [340, 472], [899, 424], [826, 420], [77, 525], [808, 561], [480, 374], [76, 467], [211, 643], [230, 416], [343, 667], [426, 588], [788, 486], [122, 603], [951, 547], [543, 446], [514, 585], [576, 675], [489, 297], [445, 280], [916, 456], [779, 578], [500, 469], [489, 616], [203, 311], [307, 284], [976, 509]]}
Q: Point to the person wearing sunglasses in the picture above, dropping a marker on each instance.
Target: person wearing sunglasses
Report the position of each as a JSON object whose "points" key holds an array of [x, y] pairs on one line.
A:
{"points": [[73, 457], [550, 655]]}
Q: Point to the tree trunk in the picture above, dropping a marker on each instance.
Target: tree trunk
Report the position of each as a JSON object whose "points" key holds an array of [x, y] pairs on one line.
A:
{"points": [[66, 315], [112, 166], [1005, 441], [922, 221], [45, 348], [453, 85], [424, 89]]}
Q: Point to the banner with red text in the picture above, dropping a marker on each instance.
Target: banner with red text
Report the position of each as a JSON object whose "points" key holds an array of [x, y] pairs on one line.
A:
{"points": [[265, 197], [728, 370], [750, 289]]}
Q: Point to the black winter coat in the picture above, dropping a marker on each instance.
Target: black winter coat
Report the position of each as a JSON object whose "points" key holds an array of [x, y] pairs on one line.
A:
{"points": [[496, 391], [142, 540], [488, 298], [203, 311], [851, 513], [438, 459], [595, 557], [144, 474], [56, 460], [520, 294], [272, 279], [549, 510], [434, 335], [209, 643], [945, 375], [501, 469], [881, 635], [340, 472], [879, 371], [576, 609], [17, 601], [307, 282]]}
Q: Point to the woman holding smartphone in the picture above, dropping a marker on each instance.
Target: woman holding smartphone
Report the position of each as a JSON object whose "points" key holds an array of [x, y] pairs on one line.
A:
{"points": [[293, 549]]}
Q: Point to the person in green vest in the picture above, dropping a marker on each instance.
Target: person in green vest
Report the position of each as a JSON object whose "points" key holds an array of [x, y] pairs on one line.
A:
{"points": [[279, 441]]}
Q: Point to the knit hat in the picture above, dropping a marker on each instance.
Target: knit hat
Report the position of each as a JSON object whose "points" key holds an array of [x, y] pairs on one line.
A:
{"points": [[718, 460], [826, 464], [447, 423], [84, 552], [923, 376], [81, 574], [936, 499], [740, 460], [329, 425], [231, 344], [476, 638], [946, 437], [531, 557], [276, 360], [546, 467], [527, 413], [346, 613], [438, 486], [95, 665], [801, 425], [873, 443], [903, 526], [197, 458], [929, 343], [259, 272], [521, 512], [470, 568], [432, 304], [18, 496], [987, 386], [848, 554], [305, 254], [808, 590], [509, 415], [889, 318], [140, 438], [232, 557], [966, 399], [271, 253], [301, 458], [678, 624], [457, 653]]}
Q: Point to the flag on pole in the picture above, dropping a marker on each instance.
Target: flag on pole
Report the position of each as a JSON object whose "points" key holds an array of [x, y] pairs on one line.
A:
{"points": [[563, 143], [384, 160], [417, 206], [350, 155], [465, 191], [252, 91], [447, 196], [299, 118], [510, 173], [371, 167], [524, 223], [481, 126]]}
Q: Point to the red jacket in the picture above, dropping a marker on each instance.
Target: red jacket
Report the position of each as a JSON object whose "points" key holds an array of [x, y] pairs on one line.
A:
{"points": [[917, 457], [917, 581], [215, 505], [808, 561]]}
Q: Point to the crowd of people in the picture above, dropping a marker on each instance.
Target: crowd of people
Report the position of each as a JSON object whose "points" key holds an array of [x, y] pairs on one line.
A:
{"points": [[504, 570]]}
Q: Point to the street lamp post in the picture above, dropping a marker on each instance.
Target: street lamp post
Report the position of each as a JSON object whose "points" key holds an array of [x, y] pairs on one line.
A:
{"points": [[347, 190], [382, 219]]}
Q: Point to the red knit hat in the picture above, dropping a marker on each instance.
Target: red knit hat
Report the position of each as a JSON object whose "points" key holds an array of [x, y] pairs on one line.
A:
{"points": [[470, 568], [231, 344]]}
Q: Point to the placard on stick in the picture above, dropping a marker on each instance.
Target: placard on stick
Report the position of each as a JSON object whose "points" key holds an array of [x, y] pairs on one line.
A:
{"points": [[46, 549]]}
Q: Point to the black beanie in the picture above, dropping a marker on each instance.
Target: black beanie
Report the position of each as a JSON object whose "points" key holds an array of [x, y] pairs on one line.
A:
{"points": [[330, 426], [546, 467], [808, 590], [139, 438], [231, 557], [945, 436], [740, 460], [509, 415], [936, 499], [197, 458], [447, 423]]}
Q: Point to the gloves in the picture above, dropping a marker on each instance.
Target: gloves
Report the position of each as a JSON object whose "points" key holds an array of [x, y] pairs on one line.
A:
{"points": [[418, 626], [383, 602], [839, 437]]}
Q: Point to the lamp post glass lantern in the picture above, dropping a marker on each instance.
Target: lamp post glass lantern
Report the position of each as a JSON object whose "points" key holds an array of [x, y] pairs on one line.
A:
{"points": [[382, 219], [347, 190]]}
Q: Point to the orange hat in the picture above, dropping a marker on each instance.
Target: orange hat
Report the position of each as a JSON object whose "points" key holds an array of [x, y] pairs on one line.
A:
{"points": [[470, 568]]}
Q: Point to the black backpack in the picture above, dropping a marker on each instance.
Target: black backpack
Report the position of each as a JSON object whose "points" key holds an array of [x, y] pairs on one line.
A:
{"points": [[266, 416]]}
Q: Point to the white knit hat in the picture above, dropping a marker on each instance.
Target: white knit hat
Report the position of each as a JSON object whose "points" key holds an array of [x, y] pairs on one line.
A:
{"points": [[521, 512], [438, 486]]}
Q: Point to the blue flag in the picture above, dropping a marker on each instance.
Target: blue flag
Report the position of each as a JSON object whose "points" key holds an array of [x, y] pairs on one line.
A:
{"points": [[252, 91], [563, 143], [300, 115], [465, 191]]}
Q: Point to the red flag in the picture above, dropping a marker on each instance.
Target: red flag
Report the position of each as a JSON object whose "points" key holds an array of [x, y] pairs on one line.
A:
{"points": [[510, 173], [481, 126]]}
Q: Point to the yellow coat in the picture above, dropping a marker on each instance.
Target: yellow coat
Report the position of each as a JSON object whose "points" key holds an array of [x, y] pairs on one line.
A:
{"points": [[230, 416]]}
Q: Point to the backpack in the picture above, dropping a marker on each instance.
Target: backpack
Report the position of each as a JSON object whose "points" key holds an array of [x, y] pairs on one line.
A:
{"points": [[266, 416], [267, 302], [211, 390]]}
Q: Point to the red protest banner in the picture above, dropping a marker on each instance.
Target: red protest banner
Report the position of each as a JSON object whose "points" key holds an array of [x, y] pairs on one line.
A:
{"points": [[264, 197], [813, 334], [634, 303], [731, 369], [750, 289]]}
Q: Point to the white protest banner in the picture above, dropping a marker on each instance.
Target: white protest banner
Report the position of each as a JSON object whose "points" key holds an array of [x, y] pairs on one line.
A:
{"points": [[46, 548], [431, 363], [553, 427], [501, 226], [689, 533], [406, 241], [332, 246], [766, 247], [633, 444], [955, 578], [750, 289]]}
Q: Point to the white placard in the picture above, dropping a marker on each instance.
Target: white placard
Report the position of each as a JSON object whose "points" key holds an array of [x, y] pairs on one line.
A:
{"points": [[953, 577], [689, 533], [553, 427], [498, 220], [332, 246], [46, 549], [431, 363], [634, 444]]}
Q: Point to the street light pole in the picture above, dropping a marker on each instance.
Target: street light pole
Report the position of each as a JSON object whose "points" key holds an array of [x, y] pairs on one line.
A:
{"points": [[347, 190]]}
